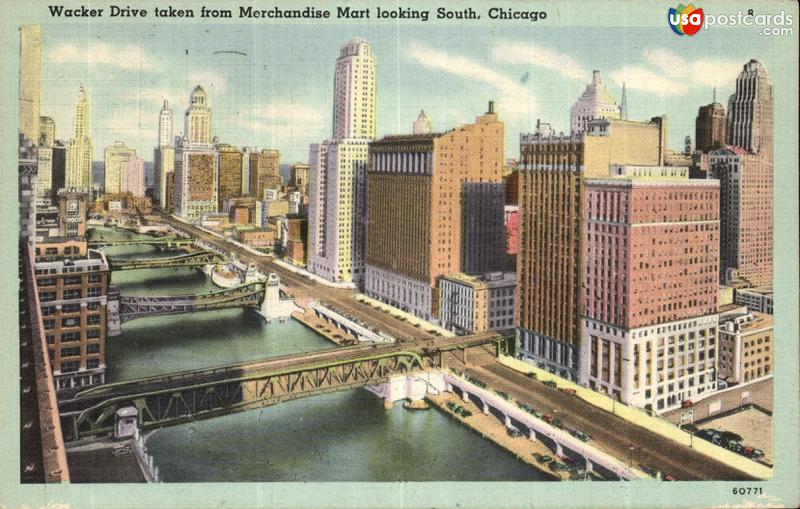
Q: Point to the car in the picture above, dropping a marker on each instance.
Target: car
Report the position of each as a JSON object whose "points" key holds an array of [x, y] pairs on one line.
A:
{"points": [[758, 453], [537, 414], [557, 423], [690, 428], [514, 432], [544, 459], [669, 477], [548, 418], [524, 406], [557, 466], [567, 390], [503, 395], [552, 384], [686, 403], [649, 470], [580, 435], [531, 375]]}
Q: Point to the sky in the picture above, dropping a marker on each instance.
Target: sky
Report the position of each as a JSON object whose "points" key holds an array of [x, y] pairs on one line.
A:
{"points": [[276, 91]]}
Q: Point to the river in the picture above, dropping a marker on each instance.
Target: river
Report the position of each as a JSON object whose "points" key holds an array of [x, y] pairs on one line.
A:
{"points": [[345, 436]]}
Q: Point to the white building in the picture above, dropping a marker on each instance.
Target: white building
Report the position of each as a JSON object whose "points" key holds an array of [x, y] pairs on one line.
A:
{"points": [[756, 299], [80, 150], [422, 125], [596, 102], [197, 128], [337, 177], [165, 126], [132, 177], [163, 157], [113, 159]]}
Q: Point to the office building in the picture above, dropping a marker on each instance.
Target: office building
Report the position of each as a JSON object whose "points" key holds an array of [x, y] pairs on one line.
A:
{"points": [[299, 179], [195, 181], [197, 119], [355, 95], [72, 213], [415, 214], [549, 264], [113, 158], [30, 80], [470, 304], [746, 351], [265, 171], [483, 234], [163, 158], [132, 177], [756, 299], [230, 173], [80, 149], [710, 127], [47, 132], [650, 291]]}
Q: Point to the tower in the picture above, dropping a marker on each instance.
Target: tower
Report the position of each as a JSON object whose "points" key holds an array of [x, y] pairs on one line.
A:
{"points": [[163, 159], [197, 127], [623, 104], [750, 111], [81, 150], [355, 100], [595, 103], [423, 123], [165, 126], [30, 80]]}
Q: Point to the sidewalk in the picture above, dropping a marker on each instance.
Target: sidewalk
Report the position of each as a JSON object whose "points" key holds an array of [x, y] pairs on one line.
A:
{"points": [[313, 277]]}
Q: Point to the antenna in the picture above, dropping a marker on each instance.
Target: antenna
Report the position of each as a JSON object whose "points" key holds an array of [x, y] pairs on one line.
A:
{"points": [[715, 94]]}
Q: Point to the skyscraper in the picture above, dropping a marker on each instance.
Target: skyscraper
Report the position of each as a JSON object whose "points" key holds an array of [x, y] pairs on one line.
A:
{"points": [[338, 169], [230, 173], [745, 171], [355, 100], [81, 149], [163, 158], [595, 103], [30, 80], [47, 132], [416, 190], [197, 128], [44, 180], [650, 287], [550, 260], [132, 177], [113, 159], [710, 127], [265, 171], [750, 111]]}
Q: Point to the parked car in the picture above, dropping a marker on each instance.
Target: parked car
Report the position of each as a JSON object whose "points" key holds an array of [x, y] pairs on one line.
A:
{"points": [[542, 458], [690, 428], [531, 375], [503, 395], [669, 477], [567, 390], [537, 414], [548, 418], [580, 435], [513, 431], [686, 403], [552, 384], [649, 470], [557, 423]]}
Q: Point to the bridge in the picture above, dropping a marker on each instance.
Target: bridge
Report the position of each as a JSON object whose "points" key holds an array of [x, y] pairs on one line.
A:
{"points": [[195, 259], [200, 394], [166, 242], [249, 295]]}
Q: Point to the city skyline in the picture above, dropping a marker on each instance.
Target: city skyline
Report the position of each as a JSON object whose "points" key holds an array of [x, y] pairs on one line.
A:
{"points": [[279, 95]]}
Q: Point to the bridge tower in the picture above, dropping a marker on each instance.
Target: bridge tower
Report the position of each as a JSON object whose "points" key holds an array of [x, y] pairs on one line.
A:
{"points": [[273, 306]]}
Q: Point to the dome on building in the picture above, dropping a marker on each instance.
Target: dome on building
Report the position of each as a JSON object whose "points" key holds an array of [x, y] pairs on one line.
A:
{"points": [[423, 123]]}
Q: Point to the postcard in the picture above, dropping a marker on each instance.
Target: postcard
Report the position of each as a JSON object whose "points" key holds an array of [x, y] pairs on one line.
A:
{"points": [[368, 254]]}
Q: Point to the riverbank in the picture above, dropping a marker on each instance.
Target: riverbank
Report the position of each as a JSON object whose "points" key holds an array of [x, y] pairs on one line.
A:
{"points": [[523, 448], [323, 328]]}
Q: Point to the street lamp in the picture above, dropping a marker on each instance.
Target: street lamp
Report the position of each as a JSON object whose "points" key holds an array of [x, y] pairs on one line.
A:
{"points": [[630, 455]]}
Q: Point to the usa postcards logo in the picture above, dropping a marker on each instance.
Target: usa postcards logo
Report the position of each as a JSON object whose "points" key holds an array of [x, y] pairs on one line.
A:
{"points": [[685, 20]]}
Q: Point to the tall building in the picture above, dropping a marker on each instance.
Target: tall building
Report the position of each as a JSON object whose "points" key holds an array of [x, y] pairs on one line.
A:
{"points": [[414, 209], [550, 259], [338, 170], [44, 178], [230, 173], [30, 80], [750, 111], [163, 158], [81, 149], [72, 213], [650, 259], [195, 181], [745, 171], [710, 127], [58, 172], [595, 103], [265, 171], [483, 234], [355, 95], [197, 126], [26, 185], [113, 159], [132, 177], [47, 132], [165, 126], [471, 304]]}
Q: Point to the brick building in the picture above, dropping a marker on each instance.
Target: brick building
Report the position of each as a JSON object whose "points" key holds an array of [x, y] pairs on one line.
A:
{"points": [[265, 172], [745, 348], [230, 173], [650, 289]]}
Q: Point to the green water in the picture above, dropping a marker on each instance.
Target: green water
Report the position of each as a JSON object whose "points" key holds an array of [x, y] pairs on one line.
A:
{"points": [[346, 436]]}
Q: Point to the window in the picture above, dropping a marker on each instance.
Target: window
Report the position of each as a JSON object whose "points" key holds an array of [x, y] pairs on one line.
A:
{"points": [[47, 296], [72, 280], [73, 294], [92, 363], [71, 322], [95, 292], [93, 334], [72, 351], [70, 336], [93, 348], [68, 367]]}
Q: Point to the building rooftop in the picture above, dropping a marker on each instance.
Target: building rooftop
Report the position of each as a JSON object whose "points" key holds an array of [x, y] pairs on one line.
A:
{"points": [[490, 280], [747, 323]]}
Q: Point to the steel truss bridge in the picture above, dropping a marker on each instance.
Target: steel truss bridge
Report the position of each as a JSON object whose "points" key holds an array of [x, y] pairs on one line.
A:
{"points": [[200, 394], [195, 259], [249, 295], [167, 242]]}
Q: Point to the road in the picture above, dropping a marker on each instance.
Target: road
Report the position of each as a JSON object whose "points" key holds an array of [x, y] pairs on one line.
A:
{"points": [[343, 300], [609, 432]]}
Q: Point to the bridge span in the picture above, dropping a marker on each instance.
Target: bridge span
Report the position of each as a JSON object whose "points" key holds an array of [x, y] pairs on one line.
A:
{"points": [[166, 242], [199, 394], [194, 259]]}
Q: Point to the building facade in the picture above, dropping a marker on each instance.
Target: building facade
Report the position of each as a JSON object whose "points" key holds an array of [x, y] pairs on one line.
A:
{"points": [[483, 233], [746, 348], [163, 158], [230, 173], [80, 149], [265, 171], [197, 119], [355, 94], [756, 299], [415, 214], [650, 289], [299, 179], [470, 304], [73, 299], [113, 159], [132, 177], [596, 102], [30, 80], [195, 181], [550, 261], [710, 127]]}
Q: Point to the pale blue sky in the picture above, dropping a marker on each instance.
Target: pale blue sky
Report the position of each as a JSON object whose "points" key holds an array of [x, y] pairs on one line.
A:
{"points": [[279, 94]]}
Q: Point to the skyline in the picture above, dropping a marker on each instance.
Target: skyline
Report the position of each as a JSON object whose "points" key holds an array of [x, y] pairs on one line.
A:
{"points": [[278, 96]]}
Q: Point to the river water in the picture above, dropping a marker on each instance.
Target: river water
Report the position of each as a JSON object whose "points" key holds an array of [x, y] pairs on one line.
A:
{"points": [[345, 436]]}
